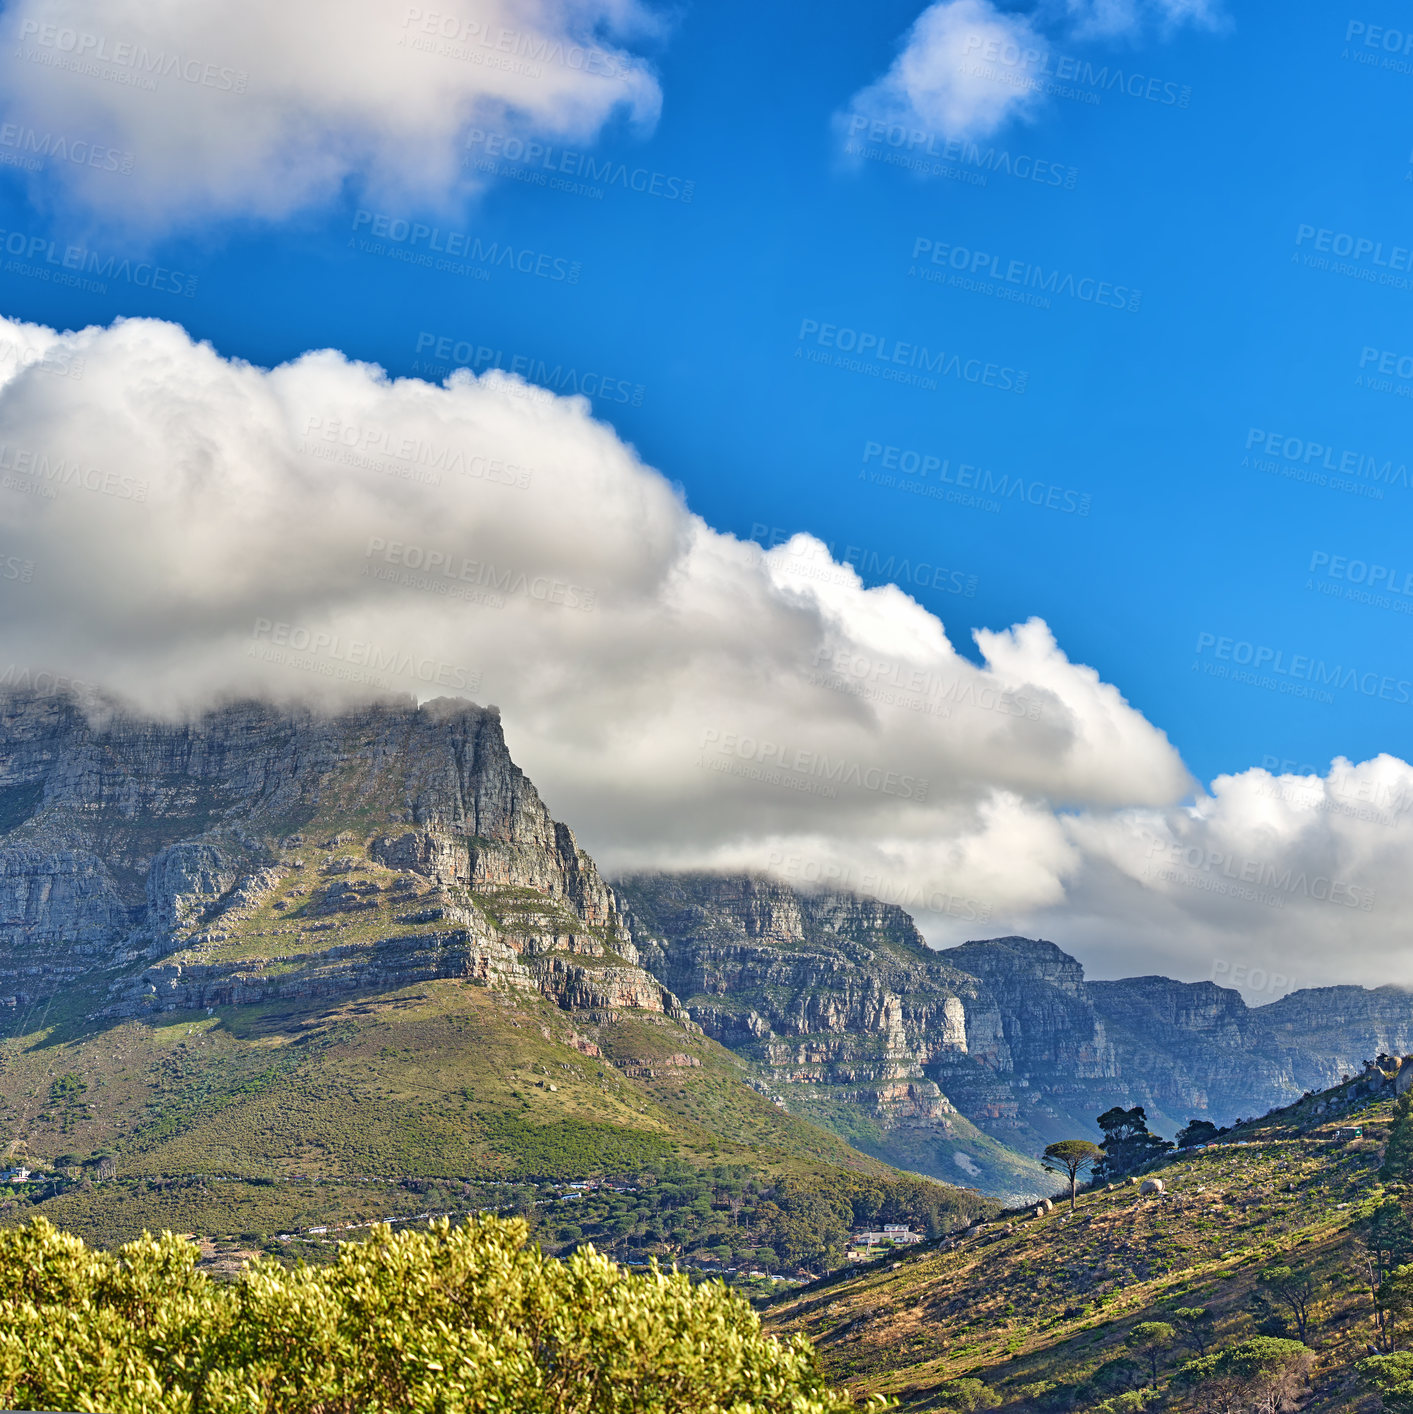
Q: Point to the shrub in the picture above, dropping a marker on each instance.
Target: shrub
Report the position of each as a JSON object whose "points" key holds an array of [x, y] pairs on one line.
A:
{"points": [[451, 1320], [967, 1395]]}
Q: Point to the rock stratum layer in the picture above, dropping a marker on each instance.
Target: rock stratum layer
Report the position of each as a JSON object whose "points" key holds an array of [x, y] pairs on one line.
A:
{"points": [[258, 854], [846, 1011]]}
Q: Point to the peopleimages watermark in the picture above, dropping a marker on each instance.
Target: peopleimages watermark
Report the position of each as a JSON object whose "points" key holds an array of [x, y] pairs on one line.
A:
{"points": [[32, 150], [1378, 46], [1345, 790], [931, 154], [1043, 71], [1361, 581], [889, 683], [797, 768], [1354, 256], [1249, 978], [121, 61], [900, 892], [563, 169], [1293, 674], [359, 660], [898, 361], [449, 568], [1322, 464], [1018, 281], [454, 252], [364, 445], [36, 473], [77, 266], [60, 361], [44, 682], [932, 475], [16, 569], [1219, 871], [1378, 368], [511, 50], [827, 565], [451, 353]]}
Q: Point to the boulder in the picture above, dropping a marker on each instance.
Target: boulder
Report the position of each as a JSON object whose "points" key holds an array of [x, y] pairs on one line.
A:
{"points": [[1151, 1185]]}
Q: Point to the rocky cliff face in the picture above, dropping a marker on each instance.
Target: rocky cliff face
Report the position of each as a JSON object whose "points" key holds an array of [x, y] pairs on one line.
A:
{"points": [[836, 995], [258, 853], [847, 1014]]}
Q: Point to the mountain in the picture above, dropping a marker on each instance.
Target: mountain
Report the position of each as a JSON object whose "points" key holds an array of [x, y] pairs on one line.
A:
{"points": [[1269, 1233], [847, 1014], [272, 969], [921, 1056]]}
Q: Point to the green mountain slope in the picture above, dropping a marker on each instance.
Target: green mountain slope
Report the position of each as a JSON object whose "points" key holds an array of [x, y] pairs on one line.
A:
{"points": [[445, 1096], [1039, 1308], [280, 972]]}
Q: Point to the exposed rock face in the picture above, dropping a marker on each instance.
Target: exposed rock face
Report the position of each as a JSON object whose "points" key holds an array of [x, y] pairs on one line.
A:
{"points": [[256, 853], [847, 1014], [828, 988], [840, 993]]}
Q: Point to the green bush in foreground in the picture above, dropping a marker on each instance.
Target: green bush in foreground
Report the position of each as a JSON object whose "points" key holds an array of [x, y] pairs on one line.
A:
{"points": [[468, 1319]]}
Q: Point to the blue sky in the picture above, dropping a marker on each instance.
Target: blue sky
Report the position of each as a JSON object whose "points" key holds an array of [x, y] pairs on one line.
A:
{"points": [[1194, 413], [1145, 412]]}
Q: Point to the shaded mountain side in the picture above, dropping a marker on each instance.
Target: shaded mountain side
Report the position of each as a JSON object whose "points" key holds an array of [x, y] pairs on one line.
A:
{"points": [[258, 853], [272, 1118], [1052, 1313], [918, 1052], [271, 949], [847, 1014], [1181, 1049]]}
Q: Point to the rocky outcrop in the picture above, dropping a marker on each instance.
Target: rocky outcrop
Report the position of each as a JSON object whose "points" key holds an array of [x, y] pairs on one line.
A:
{"points": [[837, 993], [847, 1016], [255, 853]]}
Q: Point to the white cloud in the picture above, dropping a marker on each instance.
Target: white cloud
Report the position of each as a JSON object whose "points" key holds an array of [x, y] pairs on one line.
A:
{"points": [[1112, 18], [261, 108], [197, 526], [966, 67], [944, 81]]}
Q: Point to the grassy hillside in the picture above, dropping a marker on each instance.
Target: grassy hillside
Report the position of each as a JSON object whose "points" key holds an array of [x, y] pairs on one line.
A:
{"points": [[963, 1152], [1039, 1309], [262, 1120]]}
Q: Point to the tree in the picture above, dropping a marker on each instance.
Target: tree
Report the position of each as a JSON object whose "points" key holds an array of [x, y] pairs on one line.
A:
{"points": [[1398, 1155], [415, 1322], [1127, 1141], [1118, 1375], [1392, 1377], [1195, 1327], [967, 1395], [1394, 1303], [1387, 1238], [1196, 1131], [1264, 1371], [1296, 1292], [1150, 1340], [1068, 1156]]}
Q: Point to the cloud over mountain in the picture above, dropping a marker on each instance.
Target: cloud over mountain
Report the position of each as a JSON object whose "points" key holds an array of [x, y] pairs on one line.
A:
{"points": [[178, 526]]}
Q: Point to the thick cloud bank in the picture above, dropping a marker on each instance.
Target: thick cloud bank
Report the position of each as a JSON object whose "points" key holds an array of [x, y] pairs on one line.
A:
{"points": [[169, 114], [177, 526]]}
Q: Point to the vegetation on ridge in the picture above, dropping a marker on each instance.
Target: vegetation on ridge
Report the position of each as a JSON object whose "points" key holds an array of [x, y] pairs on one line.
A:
{"points": [[450, 1320], [1274, 1270]]}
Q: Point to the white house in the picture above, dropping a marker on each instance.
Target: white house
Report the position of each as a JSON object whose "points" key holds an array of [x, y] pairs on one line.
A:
{"points": [[19, 1175], [899, 1234]]}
